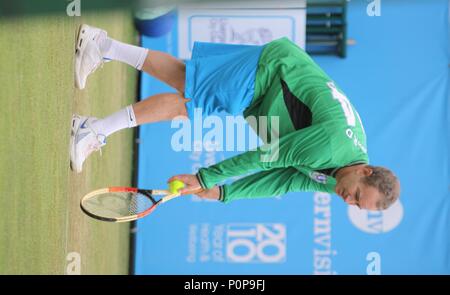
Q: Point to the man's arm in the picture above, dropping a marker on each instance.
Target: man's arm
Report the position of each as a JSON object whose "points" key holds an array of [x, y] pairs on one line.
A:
{"points": [[271, 183], [305, 147]]}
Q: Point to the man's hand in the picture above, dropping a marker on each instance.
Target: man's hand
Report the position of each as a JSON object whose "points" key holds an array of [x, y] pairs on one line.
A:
{"points": [[212, 194], [192, 186]]}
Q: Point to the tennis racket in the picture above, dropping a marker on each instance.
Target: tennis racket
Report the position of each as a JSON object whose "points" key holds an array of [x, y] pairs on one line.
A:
{"points": [[122, 204]]}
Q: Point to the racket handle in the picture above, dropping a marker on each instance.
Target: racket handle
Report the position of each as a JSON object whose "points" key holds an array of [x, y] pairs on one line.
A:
{"points": [[170, 197]]}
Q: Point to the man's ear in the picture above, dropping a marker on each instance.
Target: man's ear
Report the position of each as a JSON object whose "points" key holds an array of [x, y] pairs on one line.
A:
{"points": [[366, 171]]}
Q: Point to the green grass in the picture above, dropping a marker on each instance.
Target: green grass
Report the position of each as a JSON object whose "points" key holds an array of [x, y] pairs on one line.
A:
{"points": [[39, 195]]}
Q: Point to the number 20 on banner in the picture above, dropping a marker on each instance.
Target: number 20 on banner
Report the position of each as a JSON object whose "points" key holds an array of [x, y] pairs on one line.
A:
{"points": [[256, 243]]}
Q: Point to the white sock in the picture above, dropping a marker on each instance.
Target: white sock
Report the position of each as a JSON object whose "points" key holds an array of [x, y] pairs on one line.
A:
{"points": [[129, 54], [122, 119]]}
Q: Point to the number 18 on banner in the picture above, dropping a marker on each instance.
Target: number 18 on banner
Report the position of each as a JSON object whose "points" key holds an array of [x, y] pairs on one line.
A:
{"points": [[256, 243]]}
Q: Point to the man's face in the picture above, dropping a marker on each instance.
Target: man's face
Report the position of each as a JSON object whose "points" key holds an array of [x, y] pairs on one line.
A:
{"points": [[354, 192]]}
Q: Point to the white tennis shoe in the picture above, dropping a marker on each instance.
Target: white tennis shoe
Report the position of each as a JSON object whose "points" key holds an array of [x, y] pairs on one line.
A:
{"points": [[88, 56], [83, 141]]}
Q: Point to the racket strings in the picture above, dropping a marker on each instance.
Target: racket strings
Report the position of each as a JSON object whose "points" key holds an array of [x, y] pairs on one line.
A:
{"points": [[118, 204], [134, 206]]}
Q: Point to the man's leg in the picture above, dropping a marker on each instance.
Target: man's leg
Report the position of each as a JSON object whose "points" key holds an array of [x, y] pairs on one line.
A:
{"points": [[160, 107], [160, 65], [89, 133], [166, 68], [156, 108]]}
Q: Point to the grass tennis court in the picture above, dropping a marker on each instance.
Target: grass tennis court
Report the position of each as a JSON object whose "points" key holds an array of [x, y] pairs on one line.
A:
{"points": [[39, 203]]}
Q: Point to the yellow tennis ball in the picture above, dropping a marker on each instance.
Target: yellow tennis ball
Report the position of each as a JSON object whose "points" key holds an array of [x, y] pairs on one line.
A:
{"points": [[175, 186]]}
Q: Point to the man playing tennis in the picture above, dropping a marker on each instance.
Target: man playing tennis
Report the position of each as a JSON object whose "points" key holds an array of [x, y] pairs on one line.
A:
{"points": [[322, 143]]}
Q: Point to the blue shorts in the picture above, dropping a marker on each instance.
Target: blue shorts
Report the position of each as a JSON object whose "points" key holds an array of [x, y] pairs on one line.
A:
{"points": [[221, 77]]}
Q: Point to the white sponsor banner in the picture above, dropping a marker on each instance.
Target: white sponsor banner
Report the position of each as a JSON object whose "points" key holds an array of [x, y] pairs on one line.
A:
{"points": [[262, 4], [245, 243], [251, 26]]}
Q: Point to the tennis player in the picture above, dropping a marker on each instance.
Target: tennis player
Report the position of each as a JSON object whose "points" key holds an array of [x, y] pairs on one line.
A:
{"points": [[321, 142]]}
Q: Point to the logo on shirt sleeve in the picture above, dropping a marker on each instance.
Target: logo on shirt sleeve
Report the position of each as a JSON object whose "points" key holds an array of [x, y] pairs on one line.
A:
{"points": [[318, 177]]}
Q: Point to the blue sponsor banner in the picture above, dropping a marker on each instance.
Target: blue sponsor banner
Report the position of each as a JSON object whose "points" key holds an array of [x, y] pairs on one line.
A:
{"points": [[397, 78]]}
